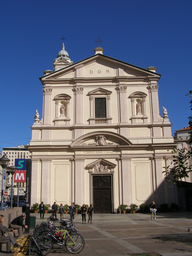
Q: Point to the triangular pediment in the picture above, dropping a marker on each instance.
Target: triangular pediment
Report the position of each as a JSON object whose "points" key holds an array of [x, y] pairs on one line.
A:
{"points": [[99, 91], [99, 66], [101, 162]]}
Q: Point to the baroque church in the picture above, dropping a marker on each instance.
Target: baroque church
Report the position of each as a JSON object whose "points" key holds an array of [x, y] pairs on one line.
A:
{"points": [[101, 139]]}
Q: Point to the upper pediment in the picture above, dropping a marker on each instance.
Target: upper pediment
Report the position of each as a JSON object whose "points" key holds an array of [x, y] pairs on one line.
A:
{"points": [[99, 66]]}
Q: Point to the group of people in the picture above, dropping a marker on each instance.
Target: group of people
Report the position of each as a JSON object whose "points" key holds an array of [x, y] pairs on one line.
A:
{"points": [[72, 211]]}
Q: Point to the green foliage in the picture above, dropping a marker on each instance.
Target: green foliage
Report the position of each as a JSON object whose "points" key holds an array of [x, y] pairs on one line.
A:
{"points": [[133, 207], [122, 207], [174, 206], [190, 117], [77, 207], [66, 208], [179, 167], [46, 207], [144, 208], [164, 207], [35, 207]]}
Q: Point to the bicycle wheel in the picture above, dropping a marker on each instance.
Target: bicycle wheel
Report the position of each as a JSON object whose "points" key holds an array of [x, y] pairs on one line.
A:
{"points": [[75, 243], [45, 244]]}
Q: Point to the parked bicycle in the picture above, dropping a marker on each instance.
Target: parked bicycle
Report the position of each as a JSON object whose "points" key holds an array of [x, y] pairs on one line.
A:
{"points": [[46, 235]]}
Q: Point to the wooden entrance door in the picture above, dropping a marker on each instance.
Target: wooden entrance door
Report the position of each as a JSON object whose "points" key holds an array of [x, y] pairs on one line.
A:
{"points": [[102, 194]]}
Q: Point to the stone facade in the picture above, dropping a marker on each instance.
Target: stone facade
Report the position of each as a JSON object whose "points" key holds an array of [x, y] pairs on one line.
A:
{"points": [[101, 138]]}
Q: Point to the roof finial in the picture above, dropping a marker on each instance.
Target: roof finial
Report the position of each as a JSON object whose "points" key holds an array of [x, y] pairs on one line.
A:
{"points": [[63, 46], [98, 41]]}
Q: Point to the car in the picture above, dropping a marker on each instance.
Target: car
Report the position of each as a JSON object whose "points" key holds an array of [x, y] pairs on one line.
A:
{"points": [[5, 206]]}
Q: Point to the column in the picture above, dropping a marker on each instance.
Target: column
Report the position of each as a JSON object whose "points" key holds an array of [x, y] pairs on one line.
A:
{"points": [[72, 179], [78, 104], [35, 189], [126, 180], [91, 106], [153, 88], [56, 108], [108, 108], [160, 180], [123, 104], [133, 106], [46, 180], [79, 181], [47, 93], [120, 179]]}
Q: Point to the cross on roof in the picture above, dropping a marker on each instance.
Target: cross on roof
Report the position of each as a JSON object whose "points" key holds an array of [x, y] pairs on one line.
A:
{"points": [[98, 41], [63, 38]]}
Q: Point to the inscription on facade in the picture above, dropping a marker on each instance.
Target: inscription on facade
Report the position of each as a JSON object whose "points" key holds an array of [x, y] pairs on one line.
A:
{"points": [[99, 71]]}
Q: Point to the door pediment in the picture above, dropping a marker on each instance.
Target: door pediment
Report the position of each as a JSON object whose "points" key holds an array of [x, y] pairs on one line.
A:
{"points": [[100, 166]]}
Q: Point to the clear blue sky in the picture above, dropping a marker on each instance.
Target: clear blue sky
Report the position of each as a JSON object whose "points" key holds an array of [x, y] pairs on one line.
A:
{"points": [[142, 33]]}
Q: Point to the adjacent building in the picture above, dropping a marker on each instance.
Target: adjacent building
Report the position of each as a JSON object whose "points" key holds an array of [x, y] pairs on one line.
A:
{"points": [[101, 138], [13, 153]]}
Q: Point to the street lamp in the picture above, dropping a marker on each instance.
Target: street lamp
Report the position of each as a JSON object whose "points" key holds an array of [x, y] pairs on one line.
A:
{"points": [[11, 169], [4, 161]]}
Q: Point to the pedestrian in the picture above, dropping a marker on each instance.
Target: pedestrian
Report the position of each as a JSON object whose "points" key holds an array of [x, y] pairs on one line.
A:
{"points": [[61, 211], [83, 213], [41, 210], [72, 211], [8, 238], [17, 223], [89, 212], [153, 209], [54, 209]]}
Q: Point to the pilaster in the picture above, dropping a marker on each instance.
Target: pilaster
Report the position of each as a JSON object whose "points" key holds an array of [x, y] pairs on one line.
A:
{"points": [[47, 94]]}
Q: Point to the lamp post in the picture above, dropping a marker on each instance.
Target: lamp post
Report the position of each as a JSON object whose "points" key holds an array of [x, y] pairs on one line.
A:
{"points": [[4, 161], [11, 169]]}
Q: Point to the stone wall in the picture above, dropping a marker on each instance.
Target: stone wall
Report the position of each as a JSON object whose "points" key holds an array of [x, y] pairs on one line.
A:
{"points": [[10, 214]]}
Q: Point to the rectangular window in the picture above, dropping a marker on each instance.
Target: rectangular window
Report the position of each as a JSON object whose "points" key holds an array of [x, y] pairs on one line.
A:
{"points": [[100, 107]]}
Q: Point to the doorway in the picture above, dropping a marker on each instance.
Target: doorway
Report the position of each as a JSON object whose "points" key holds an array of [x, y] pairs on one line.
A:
{"points": [[102, 194]]}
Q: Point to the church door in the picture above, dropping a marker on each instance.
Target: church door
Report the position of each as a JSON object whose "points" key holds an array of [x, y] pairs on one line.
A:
{"points": [[102, 194]]}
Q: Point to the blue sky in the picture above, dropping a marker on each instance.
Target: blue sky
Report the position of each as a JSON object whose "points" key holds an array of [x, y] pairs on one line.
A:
{"points": [[142, 33]]}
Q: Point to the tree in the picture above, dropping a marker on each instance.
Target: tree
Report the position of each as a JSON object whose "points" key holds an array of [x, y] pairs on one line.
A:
{"points": [[190, 117], [179, 167]]}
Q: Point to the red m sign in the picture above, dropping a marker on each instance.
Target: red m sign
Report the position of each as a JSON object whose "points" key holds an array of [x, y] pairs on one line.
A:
{"points": [[20, 176]]}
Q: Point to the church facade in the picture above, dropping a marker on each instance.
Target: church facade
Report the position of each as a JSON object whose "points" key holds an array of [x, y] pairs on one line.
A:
{"points": [[101, 139]]}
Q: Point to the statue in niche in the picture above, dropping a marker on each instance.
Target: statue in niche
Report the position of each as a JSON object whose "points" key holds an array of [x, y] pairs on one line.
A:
{"points": [[62, 110], [100, 140], [138, 108], [36, 117], [165, 114]]}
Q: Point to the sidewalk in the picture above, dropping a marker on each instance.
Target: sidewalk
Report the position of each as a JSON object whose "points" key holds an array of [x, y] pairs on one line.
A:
{"points": [[133, 234]]}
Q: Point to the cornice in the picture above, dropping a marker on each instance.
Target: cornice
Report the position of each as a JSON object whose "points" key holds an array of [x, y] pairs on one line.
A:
{"points": [[89, 126]]}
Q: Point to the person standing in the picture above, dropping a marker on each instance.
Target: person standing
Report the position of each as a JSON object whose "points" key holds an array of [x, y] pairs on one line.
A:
{"points": [[17, 223], [9, 238], [54, 209], [61, 211], [83, 213], [72, 211], [153, 209], [41, 210], [89, 212]]}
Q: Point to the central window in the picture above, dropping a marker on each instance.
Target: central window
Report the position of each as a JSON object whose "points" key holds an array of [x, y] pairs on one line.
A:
{"points": [[100, 107]]}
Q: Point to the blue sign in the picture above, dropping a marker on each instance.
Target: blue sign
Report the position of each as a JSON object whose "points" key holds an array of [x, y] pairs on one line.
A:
{"points": [[21, 164], [4, 179]]}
